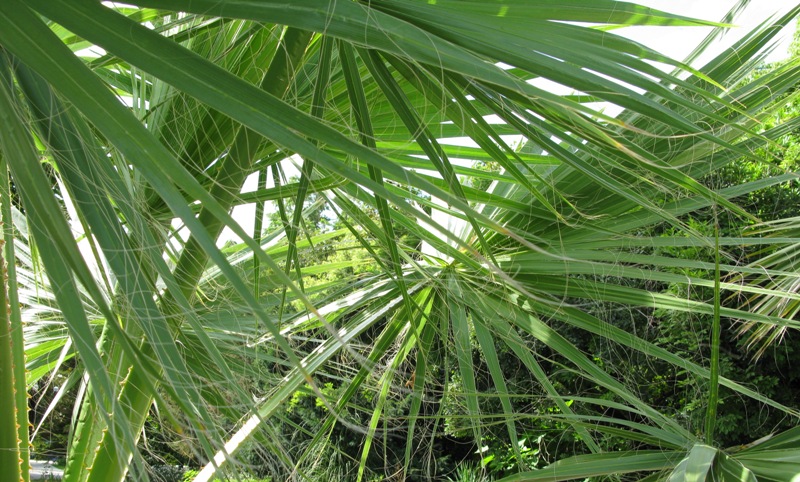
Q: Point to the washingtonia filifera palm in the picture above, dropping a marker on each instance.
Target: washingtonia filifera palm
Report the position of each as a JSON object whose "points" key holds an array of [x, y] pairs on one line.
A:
{"points": [[119, 207]]}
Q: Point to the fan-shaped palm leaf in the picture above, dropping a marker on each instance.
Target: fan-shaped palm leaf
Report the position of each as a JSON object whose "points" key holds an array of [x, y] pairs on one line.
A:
{"points": [[367, 97]]}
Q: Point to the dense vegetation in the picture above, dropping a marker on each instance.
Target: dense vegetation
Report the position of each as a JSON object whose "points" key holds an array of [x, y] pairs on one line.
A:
{"points": [[447, 271]]}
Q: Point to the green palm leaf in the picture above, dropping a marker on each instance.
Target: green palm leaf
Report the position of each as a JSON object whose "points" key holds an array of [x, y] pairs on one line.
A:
{"points": [[448, 270]]}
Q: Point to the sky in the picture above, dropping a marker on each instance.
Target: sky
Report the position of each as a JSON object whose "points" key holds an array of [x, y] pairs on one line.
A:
{"points": [[675, 42]]}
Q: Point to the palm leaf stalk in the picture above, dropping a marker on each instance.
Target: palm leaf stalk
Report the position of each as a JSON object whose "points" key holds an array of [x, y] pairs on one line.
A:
{"points": [[20, 405], [713, 382], [369, 97], [10, 441]]}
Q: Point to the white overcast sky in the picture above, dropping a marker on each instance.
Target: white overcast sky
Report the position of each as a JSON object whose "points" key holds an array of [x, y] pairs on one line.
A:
{"points": [[678, 42], [675, 42]]}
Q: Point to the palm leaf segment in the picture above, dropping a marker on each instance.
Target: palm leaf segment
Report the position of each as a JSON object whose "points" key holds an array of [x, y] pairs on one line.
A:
{"points": [[366, 97]]}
